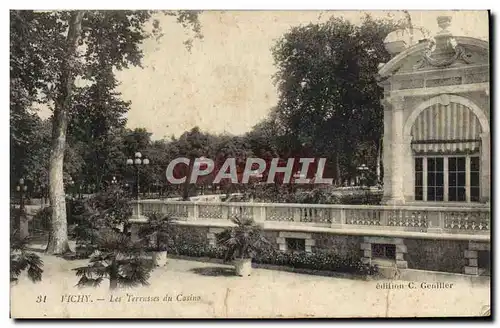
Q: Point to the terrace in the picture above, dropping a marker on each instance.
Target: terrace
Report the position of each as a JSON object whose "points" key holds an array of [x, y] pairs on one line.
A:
{"points": [[463, 223]]}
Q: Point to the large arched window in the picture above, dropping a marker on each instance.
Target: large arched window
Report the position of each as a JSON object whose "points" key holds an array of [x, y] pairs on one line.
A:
{"points": [[446, 145]]}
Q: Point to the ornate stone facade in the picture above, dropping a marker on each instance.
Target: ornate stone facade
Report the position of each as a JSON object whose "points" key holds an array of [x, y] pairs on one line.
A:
{"points": [[438, 89]]}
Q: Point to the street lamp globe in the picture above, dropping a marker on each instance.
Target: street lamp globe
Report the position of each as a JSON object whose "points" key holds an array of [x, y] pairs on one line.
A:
{"points": [[145, 161], [25, 188], [137, 161], [18, 188], [130, 161], [138, 155], [21, 181]]}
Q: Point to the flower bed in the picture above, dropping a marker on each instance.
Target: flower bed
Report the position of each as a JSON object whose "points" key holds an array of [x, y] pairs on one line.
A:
{"points": [[318, 261]]}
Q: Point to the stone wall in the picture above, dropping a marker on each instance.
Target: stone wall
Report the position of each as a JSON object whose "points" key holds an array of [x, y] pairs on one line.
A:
{"points": [[196, 235], [348, 246], [453, 256], [436, 255]]}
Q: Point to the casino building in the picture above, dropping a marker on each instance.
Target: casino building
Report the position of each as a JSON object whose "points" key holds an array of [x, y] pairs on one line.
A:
{"points": [[437, 121]]}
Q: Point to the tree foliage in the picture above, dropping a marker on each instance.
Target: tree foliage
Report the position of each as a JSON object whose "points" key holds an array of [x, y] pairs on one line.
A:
{"points": [[49, 52], [328, 93]]}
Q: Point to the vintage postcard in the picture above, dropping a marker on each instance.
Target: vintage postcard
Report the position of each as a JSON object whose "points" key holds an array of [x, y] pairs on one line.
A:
{"points": [[250, 164]]}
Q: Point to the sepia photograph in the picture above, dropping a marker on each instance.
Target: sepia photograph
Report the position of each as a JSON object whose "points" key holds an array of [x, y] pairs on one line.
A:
{"points": [[258, 164]]}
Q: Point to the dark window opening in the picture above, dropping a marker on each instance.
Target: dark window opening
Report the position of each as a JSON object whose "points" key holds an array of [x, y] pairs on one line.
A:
{"points": [[483, 263], [384, 251], [295, 244], [435, 180], [419, 180], [474, 179]]}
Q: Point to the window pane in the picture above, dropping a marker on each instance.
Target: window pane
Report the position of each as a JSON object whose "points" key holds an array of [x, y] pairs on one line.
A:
{"points": [[452, 194], [439, 164], [419, 193], [461, 164], [461, 194], [431, 178], [452, 179], [461, 179], [452, 164], [419, 179], [474, 179], [474, 163], [439, 193], [431, 193], [474, 194], [439, 179], [418, 164], [431, 164]]}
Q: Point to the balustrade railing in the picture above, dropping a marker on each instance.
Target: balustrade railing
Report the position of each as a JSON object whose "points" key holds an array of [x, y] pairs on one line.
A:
{"points": [[429, 219]]}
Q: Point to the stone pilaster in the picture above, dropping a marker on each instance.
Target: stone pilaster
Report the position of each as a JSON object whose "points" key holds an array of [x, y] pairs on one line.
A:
{"points": [[471, 256], [485, 167], [387, 149], [212, 235], [396, 153]]}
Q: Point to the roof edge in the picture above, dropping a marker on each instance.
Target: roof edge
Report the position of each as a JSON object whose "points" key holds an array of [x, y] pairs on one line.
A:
{"points": [[390, 66]]}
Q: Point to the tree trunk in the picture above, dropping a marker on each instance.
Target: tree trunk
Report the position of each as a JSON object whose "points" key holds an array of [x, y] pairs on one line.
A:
{"points": [[185, 189], [338, 177], [113, 283], [58, 240], [379, 160]]}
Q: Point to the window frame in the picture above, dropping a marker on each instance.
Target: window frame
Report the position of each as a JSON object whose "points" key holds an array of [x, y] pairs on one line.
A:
{"points": [[446, 183], [296, 244]]}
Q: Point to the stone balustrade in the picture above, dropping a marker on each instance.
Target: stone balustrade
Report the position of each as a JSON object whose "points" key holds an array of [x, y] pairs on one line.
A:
{"points": [[365, 219]]}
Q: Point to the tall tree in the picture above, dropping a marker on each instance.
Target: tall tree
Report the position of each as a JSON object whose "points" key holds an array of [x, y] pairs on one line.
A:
{"points": [[328, 93], [58, 238], [63, 47]]}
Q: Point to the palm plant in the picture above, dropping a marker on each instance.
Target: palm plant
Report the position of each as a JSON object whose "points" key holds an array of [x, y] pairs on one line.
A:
{"points": [[157, 231], [243, 240], [107, 210], [118, 259], [22, 260]]}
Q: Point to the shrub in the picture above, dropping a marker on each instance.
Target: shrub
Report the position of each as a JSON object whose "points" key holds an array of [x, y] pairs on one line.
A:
{"points": [[108, 210], [119, 259], [319, 195], [244, 240], [319, 260], [22, 260], [156, 232]]}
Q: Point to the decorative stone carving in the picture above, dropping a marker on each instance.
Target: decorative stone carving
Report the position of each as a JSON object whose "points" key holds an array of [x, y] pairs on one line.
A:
{"points": [[443, 50], [393, 103], [444, 99]]}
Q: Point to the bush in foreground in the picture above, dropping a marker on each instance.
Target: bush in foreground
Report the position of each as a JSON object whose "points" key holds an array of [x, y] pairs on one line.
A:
{"points": [[22, 260]]}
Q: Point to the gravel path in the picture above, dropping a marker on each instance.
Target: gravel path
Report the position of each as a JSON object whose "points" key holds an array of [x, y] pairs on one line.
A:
{"points": [[189, 289]]}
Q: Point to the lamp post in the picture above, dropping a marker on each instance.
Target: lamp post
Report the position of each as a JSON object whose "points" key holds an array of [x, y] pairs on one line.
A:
{"points": [[363, 169], [132, 229], [21, 188], [70, 184], [23, 223], [136, 162]]}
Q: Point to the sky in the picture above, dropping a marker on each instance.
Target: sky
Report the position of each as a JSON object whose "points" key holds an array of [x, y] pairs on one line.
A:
{"points": [[224, 85]]}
